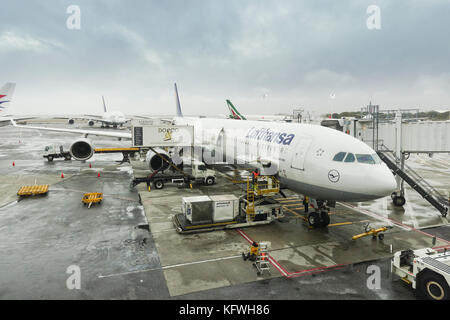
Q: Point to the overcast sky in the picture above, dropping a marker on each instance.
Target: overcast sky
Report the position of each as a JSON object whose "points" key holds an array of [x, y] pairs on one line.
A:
{"points": [[266, 56]]}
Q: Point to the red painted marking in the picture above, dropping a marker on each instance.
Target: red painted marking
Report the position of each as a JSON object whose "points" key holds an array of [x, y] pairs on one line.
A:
{"points": [[286, 273]]}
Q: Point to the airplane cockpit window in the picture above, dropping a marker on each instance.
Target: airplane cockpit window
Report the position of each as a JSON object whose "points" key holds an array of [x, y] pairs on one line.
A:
{"points": [[340, 156], [365, 158], [376, 158], [350, 157]]}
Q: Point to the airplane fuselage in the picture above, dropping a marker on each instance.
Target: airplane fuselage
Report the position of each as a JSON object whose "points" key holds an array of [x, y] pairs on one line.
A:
{"points": [[301, 155]]}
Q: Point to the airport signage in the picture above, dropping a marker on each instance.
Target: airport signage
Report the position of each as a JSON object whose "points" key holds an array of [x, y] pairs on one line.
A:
{"points": [[162, 135]]}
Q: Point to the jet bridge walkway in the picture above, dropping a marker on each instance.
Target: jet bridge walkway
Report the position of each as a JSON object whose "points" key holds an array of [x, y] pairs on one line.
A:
{"points": [[434, 197]]}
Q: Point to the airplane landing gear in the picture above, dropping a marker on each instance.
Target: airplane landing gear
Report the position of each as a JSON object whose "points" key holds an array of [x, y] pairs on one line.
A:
{"points": [[398, 199], [320, 216]]}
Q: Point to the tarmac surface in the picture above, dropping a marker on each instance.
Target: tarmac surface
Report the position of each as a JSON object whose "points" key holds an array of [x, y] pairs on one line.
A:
{"points": [[42, 236]]}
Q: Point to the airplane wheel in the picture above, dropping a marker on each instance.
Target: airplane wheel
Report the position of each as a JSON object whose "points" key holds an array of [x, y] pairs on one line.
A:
{"points": [[393, 194], [399, 201], [381, 237], [325, 218], [314, 219], [433, 286]]}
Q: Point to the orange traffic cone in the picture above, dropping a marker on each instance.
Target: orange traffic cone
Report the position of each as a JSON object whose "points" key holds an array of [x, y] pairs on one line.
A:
{"points": [[62, 175], [14, 163], [90, 166], [98, 175]]}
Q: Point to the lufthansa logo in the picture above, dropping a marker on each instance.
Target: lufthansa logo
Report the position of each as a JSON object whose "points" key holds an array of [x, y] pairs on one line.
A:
{"points": [[333, 176]]}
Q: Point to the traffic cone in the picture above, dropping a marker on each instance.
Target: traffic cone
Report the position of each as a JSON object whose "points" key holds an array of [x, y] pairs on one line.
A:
{"points": [[98, 175], [14, 164], [62, 175], [90, 165]]}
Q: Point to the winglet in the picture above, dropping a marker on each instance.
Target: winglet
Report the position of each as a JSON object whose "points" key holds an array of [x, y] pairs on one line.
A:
{"points": [[104, 104], [177, 100]]}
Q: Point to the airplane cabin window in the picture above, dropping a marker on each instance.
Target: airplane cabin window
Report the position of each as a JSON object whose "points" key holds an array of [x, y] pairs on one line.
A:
{"points": [[340, 156], [365, 158], [349, 158]]}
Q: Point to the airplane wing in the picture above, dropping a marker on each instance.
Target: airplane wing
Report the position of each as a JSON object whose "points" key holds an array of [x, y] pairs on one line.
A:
{"points": [[122, 135]]}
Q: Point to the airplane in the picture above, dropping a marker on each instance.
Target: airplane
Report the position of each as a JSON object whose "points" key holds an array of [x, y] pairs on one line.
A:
{"points": [[107, 119], [235, 114], [322, 163]]}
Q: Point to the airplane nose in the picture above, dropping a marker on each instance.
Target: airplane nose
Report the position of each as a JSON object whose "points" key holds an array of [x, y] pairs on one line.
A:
{"points": [[383, 183]]}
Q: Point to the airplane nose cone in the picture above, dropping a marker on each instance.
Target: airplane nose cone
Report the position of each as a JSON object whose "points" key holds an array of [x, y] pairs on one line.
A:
{"points": [[383, 183]]}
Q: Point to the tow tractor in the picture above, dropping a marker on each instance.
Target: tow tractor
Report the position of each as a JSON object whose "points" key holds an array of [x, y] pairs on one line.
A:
{"points": [[199, 173], [55, 151], [426, 270]]}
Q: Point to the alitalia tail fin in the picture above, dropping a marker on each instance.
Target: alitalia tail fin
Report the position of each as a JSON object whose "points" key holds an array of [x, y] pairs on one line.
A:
{"points": [[234, 113]]}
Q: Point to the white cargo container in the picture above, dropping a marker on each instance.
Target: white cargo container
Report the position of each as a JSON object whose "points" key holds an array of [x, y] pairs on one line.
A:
{"points": [[197, 209], [225, 207]]}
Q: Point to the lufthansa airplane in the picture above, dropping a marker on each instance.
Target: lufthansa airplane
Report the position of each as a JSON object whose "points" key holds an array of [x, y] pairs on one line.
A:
{"points": [[322, 163]]}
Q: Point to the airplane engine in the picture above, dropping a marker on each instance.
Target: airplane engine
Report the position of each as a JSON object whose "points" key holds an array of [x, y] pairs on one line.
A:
{"points": [[71, 121], [82, 149], [91, 123], [154, 160]]}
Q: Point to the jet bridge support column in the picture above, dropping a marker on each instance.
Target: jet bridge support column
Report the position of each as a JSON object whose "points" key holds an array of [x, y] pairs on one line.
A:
{"points": [[398, 197]]}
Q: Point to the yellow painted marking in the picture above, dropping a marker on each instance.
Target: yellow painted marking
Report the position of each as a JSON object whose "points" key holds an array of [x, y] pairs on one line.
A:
{"points": [[286, 201], [291, 198], [295, 213], [211, 225], [115, 149], [293, 205], [340, 224]]}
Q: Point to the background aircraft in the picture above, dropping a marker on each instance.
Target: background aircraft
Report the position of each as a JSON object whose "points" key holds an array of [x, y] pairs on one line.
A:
{"points": [[107, 119], [235, 114]]}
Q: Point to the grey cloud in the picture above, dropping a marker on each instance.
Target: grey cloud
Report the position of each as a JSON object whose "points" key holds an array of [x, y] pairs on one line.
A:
{"points": [[295, 52]]}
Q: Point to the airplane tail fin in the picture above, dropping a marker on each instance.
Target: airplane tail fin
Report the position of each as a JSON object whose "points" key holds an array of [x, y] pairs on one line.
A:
{"points": [[6, 93], [177, 100], [234, 113], [104, 104]]}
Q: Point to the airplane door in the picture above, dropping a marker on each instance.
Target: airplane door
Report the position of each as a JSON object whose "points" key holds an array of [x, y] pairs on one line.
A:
{"points": [[300, 152]]}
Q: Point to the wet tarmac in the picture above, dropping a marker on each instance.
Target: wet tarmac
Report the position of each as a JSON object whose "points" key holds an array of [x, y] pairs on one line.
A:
{"points": [[40, 237]]}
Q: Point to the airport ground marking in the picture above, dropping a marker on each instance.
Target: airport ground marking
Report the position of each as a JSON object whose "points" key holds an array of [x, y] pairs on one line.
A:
{"points": [[288, 274]]}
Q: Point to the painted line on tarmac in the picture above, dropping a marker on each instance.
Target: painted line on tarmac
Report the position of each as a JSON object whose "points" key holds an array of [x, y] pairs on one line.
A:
{"points": [[398, 224], [288, 274], [168, 267]]}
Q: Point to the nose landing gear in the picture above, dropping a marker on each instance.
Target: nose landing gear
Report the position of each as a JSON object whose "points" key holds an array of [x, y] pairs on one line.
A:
{"points": [[319, 217]]}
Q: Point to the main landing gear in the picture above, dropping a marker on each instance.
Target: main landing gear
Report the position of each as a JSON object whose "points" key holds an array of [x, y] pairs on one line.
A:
{"points": [[398, 199], [319, 217]]}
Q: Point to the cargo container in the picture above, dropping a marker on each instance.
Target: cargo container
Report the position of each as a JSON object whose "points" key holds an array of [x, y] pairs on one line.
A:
{"points": [[197, 209], [225, 207]]}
